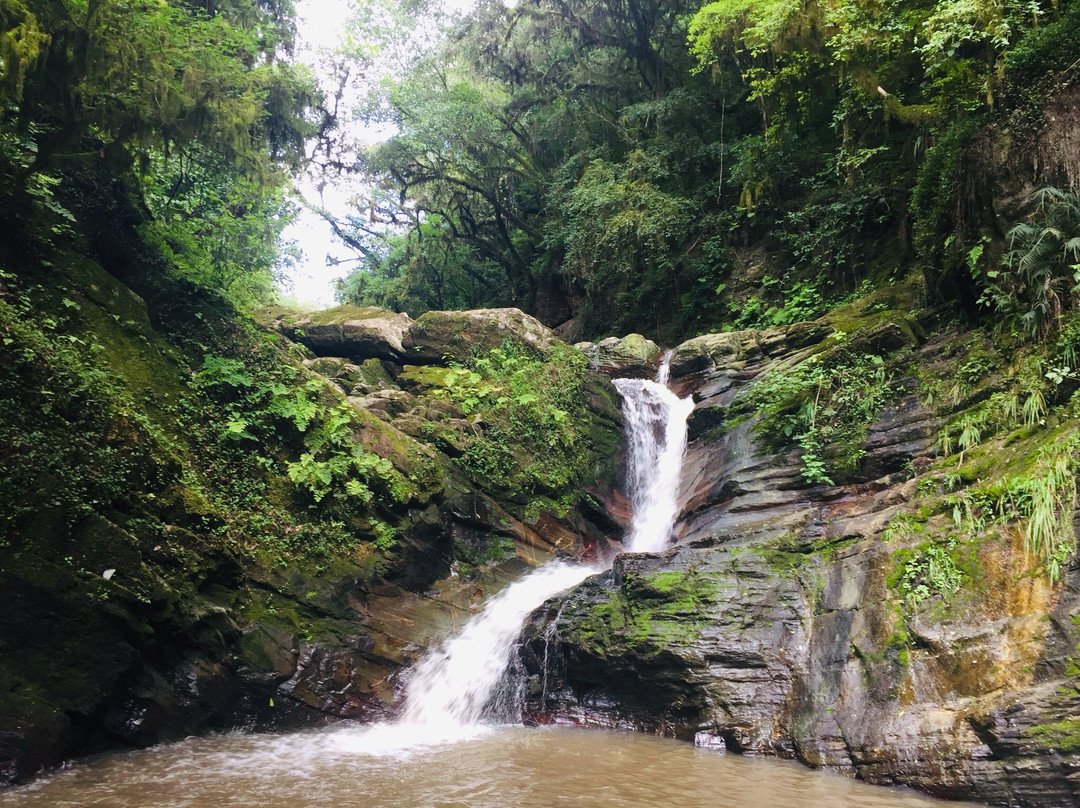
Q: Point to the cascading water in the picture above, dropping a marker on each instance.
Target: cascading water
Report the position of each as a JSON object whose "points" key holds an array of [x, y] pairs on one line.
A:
{"points": [[656, 433], [456, 685], [453, 690]]}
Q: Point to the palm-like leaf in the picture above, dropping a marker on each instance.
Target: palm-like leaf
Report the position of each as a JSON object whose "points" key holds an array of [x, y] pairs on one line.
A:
{"points": [[1041, 253]]}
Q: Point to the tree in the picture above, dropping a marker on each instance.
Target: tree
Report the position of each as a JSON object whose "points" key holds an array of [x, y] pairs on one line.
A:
{"points": [[198, 100]]}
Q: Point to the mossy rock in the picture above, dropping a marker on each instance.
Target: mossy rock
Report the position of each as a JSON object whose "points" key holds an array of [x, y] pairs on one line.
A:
{"points": [[346, 331], [442, 337], [631, 356], [736, 348], [424, 377]]}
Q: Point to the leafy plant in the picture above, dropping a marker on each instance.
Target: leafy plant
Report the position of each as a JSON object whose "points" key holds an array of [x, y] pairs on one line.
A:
{"points": [[823, 406], [930, 572], [528, 416], [337, 465], [1041, 501], [1042, 268]]}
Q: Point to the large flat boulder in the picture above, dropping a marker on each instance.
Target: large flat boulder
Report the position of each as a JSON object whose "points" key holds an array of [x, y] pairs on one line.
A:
{"points": [[346, 331], [456, 336]]}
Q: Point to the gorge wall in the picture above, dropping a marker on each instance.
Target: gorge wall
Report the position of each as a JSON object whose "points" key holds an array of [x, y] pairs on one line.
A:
{"points": [[887, 623]]}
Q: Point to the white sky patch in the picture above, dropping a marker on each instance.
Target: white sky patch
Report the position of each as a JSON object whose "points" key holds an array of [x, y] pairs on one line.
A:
{"points": [[321, 26]]}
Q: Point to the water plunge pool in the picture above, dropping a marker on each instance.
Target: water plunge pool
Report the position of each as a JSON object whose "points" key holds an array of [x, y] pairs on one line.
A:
{"points": [[498, 767]]}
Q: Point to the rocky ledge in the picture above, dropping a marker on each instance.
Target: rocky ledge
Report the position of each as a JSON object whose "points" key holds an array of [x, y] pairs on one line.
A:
{"points": [[788, 622]]}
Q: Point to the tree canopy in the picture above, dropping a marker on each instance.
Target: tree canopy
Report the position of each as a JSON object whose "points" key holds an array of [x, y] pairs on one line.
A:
{"points": [[665, 166], [654, 165], [200, 100]]}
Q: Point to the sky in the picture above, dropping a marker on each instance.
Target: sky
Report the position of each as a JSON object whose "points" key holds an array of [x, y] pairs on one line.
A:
{"points": [[320, 24]]}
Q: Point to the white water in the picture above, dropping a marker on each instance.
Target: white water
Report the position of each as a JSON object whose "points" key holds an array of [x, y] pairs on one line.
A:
{"points": [[656, 431], [453, 694]]}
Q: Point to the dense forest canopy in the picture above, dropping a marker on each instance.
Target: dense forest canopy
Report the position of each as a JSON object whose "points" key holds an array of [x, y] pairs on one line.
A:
{"points": [[199, 103], [658, 164], [608, 165]]}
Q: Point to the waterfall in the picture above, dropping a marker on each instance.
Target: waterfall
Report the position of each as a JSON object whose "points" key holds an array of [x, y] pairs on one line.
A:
{"points": [[453, 690], [456, 685], [656, 436]]}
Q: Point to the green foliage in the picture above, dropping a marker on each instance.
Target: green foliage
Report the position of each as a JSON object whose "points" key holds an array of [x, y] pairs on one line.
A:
{"points": [[940, 235], [22, 44], [336, 464], [426, 269], [155, 74], [73, 441], [1042, 267], [1042, 501], [196, 102], [754, 26], [929, 571], [824, 406], [221, 228], [529, 417], [262, 408], [1022, 402], [902, 527], [620, 231], [803, 301]]}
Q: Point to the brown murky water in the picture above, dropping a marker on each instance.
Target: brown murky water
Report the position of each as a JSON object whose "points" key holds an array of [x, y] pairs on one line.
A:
{"points": [[511, 767]]}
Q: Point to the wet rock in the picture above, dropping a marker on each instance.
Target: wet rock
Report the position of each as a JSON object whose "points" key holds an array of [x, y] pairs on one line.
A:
{"points": [[781, 651], [352, 379], [389, 403]]}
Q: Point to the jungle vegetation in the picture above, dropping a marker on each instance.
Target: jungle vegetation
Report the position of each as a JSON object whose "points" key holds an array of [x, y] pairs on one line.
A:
{"points": [[653, 165], [675, 167]]}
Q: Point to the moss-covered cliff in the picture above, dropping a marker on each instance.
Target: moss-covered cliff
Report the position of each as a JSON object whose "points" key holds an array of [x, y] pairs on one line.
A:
{"points": [[202, 525]]}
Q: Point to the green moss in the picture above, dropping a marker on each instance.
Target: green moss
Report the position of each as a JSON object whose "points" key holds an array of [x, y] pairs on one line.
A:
{"points": [[1064, 735], [425, 376], [648, 614], [342, 314]]}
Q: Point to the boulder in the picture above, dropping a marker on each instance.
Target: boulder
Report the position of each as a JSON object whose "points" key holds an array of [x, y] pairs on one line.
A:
{"points": [[731, 350], [346, 331], [631, 356], [456, 336]]}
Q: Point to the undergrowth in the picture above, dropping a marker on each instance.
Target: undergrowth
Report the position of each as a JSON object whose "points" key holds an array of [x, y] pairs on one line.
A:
{"points": [[528, 417], [824, 406], [260, 420]]}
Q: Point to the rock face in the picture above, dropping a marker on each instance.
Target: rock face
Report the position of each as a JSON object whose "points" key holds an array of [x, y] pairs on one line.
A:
{"points": [[631, 356], [779, 625]]}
